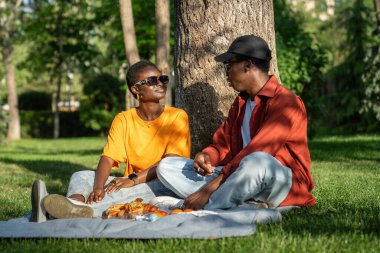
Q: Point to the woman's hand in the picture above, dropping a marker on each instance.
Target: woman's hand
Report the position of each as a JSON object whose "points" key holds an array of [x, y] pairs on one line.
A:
{"points": [[118, 183], [96, 196]]}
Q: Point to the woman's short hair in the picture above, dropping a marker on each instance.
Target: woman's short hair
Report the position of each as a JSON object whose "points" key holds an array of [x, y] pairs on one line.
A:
{"points": [[133, 72]]}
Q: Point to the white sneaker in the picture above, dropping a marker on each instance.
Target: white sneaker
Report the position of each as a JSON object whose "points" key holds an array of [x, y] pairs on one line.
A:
{"points": [[38, 193], [167, 202], [61, 207]]}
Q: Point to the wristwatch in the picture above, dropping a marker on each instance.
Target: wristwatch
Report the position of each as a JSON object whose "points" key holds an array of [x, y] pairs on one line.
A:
{"points": [[133, 177]]}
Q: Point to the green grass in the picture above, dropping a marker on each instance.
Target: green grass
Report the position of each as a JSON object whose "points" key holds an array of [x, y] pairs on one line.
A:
{"points": [[346, 217]]}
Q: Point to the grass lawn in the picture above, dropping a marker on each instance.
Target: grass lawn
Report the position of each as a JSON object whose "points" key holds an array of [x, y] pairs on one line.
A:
{"points": [[346, 217]]}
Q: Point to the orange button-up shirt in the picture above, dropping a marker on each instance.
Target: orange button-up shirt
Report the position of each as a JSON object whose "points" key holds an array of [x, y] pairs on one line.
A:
{"points": [[278, 126]]}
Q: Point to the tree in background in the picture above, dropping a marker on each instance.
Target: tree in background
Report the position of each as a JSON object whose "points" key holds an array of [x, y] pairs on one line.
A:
{"points": [[10, 11], [163, 43], [371, 75], [103, 101], [202, 88], [354, 18], [61, 34], [301, 59]]}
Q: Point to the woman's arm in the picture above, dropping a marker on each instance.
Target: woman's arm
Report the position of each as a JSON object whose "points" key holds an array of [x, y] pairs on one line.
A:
{"points": [[101, 175]]}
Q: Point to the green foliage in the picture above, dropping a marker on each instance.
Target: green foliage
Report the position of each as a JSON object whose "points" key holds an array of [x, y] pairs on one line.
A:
{"points": [[105, 99], [34, 100], [355, 18], [371, 80], [39, 124], [300, 58], [61, 33]]}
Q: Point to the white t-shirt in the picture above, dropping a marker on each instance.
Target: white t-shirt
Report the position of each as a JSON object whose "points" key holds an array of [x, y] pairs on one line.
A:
{"points": [[245, 128]]}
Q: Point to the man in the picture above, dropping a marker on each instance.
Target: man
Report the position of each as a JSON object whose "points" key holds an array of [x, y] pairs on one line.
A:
{"points": [[260, 151]]}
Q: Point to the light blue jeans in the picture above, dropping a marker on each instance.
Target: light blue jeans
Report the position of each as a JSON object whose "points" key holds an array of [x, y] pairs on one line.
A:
{"points": [[82, 182], [260, 177]]}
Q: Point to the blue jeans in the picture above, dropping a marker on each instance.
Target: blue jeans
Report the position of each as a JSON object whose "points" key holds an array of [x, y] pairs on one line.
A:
{"points": [[82, 182], [259, 176]]}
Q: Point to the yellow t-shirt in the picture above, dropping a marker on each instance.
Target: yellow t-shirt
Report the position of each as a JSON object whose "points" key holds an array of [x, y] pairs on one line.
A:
{"points": [[140, 144]]}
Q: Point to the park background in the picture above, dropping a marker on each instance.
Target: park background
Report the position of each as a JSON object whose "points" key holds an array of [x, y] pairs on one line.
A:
{"points": [[64, 64]]}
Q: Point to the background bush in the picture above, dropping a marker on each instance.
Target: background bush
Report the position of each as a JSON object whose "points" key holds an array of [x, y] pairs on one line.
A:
{"points": [[39, 124], [105, 98], [34, 100]]}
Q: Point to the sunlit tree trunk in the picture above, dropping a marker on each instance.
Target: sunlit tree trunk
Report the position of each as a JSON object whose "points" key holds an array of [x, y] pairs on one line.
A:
{"points": [[10, 77], [203, 30], [10, 13], [163, 42], [130, 45]]}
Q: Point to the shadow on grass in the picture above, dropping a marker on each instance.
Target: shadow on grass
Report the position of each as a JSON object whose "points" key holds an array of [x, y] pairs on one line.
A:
{"points": [[35, 151], [345, 219], [55, 170], [351, 149]]}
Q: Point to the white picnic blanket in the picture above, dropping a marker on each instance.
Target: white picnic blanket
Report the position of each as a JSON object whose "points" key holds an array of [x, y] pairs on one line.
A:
{"points": [[240, 221]]}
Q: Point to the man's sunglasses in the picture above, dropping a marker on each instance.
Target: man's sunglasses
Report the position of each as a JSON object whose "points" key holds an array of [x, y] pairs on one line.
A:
{"points": [[228, 65], [153, 80]]}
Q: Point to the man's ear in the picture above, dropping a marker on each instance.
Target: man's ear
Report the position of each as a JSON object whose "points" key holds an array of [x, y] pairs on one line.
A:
{"points": [[248, 65]]}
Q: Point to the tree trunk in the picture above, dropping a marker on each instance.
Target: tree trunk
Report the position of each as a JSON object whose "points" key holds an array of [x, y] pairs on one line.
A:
{"points": [[129, 35], [203, 30], [10, 77], [60, 72], [163, 43], [377, 9], [10, 13]]}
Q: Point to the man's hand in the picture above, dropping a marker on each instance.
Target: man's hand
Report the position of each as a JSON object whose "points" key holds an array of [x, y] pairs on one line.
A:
{"points": [[197, 200], [118, 183], [96, 196], [202, 164]]}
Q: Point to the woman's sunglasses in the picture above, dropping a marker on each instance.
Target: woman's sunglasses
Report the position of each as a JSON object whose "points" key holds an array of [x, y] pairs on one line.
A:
{"points": [[153, 80]]}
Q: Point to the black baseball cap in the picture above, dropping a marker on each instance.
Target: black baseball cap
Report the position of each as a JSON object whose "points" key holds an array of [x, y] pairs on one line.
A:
{"points": [[247, 46]]}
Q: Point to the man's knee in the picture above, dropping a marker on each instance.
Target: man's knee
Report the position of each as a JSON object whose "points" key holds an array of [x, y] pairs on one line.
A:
{"points": [[165, 165], [256, 163]]}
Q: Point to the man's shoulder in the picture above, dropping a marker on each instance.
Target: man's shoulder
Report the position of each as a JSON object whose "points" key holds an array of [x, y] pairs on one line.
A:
{"points": [[285, 94]]}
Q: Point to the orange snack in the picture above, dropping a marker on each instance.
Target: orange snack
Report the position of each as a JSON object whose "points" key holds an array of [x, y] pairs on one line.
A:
{"points": [[188, 210], [175, 211]]}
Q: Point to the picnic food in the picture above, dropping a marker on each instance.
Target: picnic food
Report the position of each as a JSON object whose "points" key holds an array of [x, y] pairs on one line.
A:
{"points": [[139, 210], [176, 211], [133, 208]]}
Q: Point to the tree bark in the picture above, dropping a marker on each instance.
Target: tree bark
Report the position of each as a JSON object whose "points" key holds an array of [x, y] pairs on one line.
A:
{"points": [[6, 26], [130, 45], [163, 43], [203, 30], [14, 132], [56, 130]]}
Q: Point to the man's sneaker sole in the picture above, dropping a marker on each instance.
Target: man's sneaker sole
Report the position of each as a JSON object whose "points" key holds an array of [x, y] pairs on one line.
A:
{"points": [[38, 193], [61, 207]]}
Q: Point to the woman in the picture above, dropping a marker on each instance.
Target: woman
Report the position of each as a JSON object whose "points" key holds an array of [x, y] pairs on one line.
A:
{"points": [[139, 137]]}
